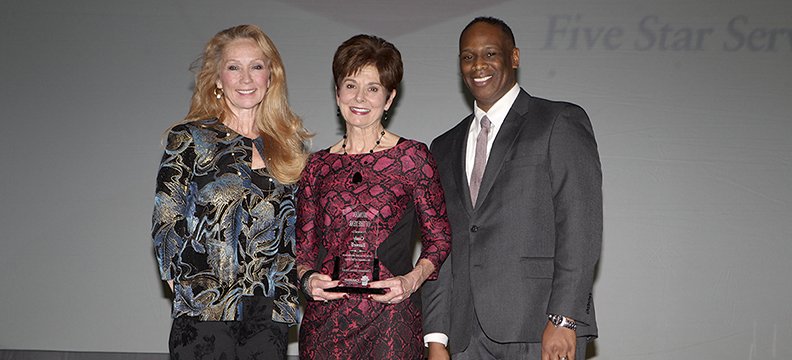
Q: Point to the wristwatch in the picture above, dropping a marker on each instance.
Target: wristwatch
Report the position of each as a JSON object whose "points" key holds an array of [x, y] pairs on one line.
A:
{"points": [[558, 320]]}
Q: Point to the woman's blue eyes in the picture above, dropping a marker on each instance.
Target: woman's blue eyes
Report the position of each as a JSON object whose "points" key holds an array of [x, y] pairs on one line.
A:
{"points": [[236, 67]]}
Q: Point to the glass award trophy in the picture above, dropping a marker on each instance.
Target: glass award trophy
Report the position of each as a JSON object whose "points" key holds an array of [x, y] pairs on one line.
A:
{"points": [[358, 265]]}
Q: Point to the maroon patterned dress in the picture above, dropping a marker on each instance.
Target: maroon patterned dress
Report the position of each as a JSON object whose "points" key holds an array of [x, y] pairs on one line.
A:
{"points": [[401, 184]]}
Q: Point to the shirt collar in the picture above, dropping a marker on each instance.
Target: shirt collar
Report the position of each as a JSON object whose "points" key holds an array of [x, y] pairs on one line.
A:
{"points": [[497, 113]]}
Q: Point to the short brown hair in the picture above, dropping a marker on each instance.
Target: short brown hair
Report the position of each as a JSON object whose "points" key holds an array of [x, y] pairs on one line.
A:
{"points": [[361, 50]]}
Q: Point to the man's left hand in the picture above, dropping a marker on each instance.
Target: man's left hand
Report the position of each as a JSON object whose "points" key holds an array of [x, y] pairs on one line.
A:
{"points": [[558, 343]]}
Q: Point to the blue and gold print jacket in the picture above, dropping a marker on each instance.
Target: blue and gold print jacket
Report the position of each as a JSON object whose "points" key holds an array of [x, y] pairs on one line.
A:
{"points": [[221, 229]]}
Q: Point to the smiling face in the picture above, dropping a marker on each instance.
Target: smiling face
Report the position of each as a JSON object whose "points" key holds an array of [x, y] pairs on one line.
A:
{"points": [[362, 98], [244, 75], [488, 62]]}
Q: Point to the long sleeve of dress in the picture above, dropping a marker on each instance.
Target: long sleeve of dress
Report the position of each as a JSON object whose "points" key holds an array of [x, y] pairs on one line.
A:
{"points": [[430, 208], [307, 212], [171, 201]]}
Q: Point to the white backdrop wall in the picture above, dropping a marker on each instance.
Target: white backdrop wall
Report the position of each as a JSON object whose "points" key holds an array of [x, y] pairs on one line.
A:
{"points": [[690, 103]]}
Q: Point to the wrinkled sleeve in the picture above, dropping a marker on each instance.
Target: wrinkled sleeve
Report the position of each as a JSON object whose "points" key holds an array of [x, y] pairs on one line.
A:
{"points": [[431, 211], [577, 197], [172, 206], [307, 226]]}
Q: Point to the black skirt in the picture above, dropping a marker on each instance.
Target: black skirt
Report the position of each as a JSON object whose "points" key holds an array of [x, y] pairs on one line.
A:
{"points": [[256, 336]]}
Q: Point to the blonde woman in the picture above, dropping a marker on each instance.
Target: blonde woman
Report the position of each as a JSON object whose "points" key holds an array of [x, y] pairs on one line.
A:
{"points": [[224, 214]]}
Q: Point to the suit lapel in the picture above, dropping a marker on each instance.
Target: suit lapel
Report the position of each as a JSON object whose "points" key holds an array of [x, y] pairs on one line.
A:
{"points": [[460, 145], [507, 134]]}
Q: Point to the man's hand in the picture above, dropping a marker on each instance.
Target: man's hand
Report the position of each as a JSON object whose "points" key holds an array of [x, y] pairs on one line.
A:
{"points": [[558, 343], [438, 352]]}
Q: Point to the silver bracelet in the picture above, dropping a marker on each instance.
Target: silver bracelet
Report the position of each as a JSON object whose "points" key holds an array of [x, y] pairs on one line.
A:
{"points": [[304, 284], [558, 320]]}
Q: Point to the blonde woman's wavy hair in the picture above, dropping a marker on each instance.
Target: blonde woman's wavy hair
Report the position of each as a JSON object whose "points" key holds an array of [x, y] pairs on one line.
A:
{"points": [[285, 138]]}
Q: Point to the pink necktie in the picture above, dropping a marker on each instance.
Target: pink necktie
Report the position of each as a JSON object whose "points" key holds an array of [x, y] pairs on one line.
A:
{"points": [[480, 161]]}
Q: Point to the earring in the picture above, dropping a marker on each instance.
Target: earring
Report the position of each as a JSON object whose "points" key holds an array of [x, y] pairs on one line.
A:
{"points": [[218, 94], [385, 116], [338, 111]]}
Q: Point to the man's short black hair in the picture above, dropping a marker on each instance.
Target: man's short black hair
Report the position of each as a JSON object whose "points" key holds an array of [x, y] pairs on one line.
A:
{"points": [[492, 21]]}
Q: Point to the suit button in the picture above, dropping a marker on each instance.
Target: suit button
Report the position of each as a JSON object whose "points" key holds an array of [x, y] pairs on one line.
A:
{"points": [[473, 228]]}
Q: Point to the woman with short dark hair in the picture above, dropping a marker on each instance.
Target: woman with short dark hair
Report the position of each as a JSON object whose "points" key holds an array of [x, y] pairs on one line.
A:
{"points": [[359, 205]]}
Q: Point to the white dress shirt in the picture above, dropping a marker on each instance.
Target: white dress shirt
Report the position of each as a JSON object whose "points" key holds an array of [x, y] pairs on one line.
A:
{"points": [[496, 114]]}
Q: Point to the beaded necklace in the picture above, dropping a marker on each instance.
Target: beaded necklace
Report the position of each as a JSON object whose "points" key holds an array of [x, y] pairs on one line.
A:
{"points": [[382, 134]]}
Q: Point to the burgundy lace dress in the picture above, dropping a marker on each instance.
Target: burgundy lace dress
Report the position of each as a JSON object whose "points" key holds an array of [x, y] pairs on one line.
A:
{"points": [[402, 187]]}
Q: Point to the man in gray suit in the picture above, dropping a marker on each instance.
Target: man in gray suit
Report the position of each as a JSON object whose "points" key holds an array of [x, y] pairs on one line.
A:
{"points": [[523, 190]]}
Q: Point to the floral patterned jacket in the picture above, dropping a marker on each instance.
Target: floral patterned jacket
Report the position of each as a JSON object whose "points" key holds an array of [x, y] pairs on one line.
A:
{"points": [[222, 230]]}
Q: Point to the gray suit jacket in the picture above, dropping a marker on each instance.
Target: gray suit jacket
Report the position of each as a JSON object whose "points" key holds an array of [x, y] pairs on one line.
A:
{"points": [[530, 245]]}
